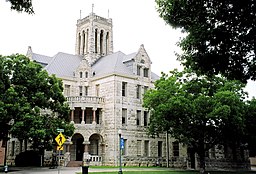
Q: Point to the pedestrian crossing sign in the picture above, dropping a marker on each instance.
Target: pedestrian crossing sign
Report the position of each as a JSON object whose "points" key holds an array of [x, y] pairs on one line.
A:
{"points": [[60, 148], [60, 139]]}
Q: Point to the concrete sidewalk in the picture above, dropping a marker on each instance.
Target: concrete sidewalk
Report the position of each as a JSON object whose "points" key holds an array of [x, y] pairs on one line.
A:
{"points": [[74, 170]]}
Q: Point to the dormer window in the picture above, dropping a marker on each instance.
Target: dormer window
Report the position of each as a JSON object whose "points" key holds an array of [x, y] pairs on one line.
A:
{"points": [[81, 74], [145, 72]]}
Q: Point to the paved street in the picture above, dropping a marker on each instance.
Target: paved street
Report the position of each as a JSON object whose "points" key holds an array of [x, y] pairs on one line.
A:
{"points": [[71, 170]]}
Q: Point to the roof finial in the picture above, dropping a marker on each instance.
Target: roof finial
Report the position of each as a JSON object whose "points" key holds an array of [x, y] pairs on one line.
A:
{"points": [[92, 7], [80, 14], [108, 13]]}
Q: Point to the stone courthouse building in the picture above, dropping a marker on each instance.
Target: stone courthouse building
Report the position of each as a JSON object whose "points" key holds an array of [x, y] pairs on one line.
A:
{"points": [[104, 90]]}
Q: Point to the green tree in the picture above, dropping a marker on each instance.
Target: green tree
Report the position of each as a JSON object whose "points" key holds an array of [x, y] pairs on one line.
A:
{"points": [[220, 35], [250, 123], [21, 5], [198, 111], [33, 100]]}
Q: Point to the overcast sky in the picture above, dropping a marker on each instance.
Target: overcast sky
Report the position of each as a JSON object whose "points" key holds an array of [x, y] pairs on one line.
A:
{"points": [[52, 29]]}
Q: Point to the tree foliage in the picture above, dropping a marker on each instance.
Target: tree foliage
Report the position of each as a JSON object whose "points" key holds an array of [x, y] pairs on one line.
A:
{"points": [[22, 5], [220, 35], [198, 111], [33, 99]]}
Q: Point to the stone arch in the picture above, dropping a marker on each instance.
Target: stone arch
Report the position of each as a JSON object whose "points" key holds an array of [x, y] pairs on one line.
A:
{"points": [[77, 147], [96, 142], [84, 42], [79, 42], [96, 40], [87, 40], [101, 41], [107, 42]]}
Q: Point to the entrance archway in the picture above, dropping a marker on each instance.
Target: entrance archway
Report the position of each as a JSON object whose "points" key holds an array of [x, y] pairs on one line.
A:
{"points": [[77, 148]]}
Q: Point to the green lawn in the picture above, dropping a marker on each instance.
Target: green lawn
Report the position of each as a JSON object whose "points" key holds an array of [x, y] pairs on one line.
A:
{"points": [[175, 172], [138, 172], [144, 172]]}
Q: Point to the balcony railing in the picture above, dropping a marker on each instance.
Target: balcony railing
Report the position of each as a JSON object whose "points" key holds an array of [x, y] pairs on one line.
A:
{"points": [[86, 99]]}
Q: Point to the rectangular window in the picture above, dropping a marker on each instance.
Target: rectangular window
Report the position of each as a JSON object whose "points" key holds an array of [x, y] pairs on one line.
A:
{"points": [[21, 143], [25, 145], [145, 72], [13, 148], [176, 148], [160, 148], [145, 118], [67, 90], [124, 89], [86, 90], [138, 118], [125, 147], [124, 116], [80, 90], [138, 70], [145, 89], [138, 92], [138, 147], [146, 149], [213, 152], [97, 90], [207, 153]]}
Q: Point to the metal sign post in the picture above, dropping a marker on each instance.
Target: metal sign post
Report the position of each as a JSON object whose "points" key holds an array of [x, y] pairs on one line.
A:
{"points": [[60, 139]]}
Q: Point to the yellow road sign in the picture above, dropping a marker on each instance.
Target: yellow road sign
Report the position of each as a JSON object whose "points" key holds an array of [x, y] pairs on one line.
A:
{"points": [[60, 139], [60, 148]]}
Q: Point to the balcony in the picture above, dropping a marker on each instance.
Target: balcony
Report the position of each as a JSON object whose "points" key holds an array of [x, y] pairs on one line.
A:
{"points": [[90, 101]]}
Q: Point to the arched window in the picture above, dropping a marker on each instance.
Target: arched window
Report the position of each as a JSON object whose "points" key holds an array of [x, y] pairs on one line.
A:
{"points": [[79, 43], [107, 44], [83, 43], [87, 33], [86, 74], [101, 42], [96, 40]]}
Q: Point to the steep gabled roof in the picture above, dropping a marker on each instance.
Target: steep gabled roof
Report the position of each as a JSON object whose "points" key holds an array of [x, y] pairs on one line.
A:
{"points": [[63, 64], [111, 64], [41, 59]]}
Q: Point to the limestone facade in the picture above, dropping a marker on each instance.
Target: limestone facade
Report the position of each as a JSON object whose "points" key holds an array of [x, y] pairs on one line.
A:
{"points": [[104, 90], [105, 93]]}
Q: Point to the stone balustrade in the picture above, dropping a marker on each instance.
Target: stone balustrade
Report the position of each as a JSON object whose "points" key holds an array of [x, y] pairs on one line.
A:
{"points": [[86, 99]]}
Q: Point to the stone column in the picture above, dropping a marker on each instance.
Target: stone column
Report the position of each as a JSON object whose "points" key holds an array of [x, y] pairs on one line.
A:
{"points": [[86, 157], [83, 110], [94, 115], [67, 156], [68, 147], [72, 115]]}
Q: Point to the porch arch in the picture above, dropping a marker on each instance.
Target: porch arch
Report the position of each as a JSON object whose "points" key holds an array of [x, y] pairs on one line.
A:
{"points": [[77, 147]]}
